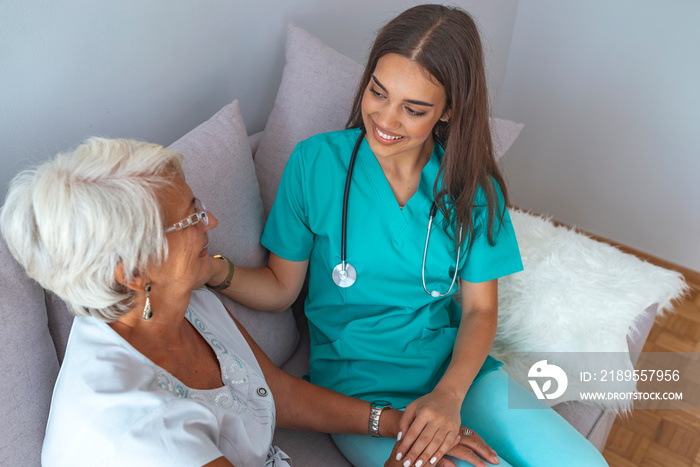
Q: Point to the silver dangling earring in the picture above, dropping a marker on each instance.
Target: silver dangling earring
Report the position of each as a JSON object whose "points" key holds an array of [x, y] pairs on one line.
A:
{"points": [[147, 310]]}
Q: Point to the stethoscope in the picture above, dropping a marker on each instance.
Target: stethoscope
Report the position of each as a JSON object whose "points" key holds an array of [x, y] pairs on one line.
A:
{"points": [[345, 274]]}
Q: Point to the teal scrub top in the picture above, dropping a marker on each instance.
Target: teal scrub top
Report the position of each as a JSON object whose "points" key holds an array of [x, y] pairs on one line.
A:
{"points": [[384, 337]]}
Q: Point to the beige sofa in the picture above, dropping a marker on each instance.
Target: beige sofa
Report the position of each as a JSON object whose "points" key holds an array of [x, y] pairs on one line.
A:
{"points": [[237, 175]]}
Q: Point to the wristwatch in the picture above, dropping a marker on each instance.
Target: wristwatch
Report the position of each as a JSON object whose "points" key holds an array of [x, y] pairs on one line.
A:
{"points": [[226, 281], [375, 413]]}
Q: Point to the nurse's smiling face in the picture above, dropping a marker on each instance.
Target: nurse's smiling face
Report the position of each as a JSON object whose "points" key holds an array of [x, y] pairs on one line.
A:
{"points": [[400, 106]]}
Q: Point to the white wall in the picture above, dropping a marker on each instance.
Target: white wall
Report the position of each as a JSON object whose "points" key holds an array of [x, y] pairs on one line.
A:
{"points": [[609, 93], [153, 70]]}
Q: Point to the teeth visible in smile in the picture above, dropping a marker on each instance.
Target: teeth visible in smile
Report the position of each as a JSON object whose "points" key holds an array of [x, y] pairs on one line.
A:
{"points": [[385, 136]]}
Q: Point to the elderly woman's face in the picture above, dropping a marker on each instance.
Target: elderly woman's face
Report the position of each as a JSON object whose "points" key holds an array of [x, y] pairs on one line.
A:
{"points": [[188, 265]]}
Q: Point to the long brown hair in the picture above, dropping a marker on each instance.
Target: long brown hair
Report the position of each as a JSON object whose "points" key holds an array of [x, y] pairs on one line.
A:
{"points": [[445, 42]]}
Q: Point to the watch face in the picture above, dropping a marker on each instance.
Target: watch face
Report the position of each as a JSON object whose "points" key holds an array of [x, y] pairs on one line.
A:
{"points": [[381, 404]]}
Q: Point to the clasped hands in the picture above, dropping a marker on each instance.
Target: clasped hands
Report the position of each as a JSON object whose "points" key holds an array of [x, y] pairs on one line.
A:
{"points": [[431, 428]]}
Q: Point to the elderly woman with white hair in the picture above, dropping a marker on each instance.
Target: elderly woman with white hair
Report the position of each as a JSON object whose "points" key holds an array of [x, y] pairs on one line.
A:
{"points": [[156, 370]]}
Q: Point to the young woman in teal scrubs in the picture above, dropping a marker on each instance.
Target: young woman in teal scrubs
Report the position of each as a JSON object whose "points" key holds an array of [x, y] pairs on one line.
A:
{"points": [[396, 334]]}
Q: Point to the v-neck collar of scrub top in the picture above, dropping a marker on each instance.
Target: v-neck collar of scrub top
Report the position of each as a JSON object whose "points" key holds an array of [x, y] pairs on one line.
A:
{"points": [[400, 218]]}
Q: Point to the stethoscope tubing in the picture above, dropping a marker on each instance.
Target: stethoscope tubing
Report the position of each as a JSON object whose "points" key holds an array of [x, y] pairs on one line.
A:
{"points": [[346, 196], [435, 293]]}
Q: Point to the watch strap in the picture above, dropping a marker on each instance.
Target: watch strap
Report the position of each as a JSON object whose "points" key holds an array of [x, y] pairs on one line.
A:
{"points": [[374, 414], [226, 281]]}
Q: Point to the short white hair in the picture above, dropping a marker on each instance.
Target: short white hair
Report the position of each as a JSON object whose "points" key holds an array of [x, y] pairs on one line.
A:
{"points": [[70, 221]]}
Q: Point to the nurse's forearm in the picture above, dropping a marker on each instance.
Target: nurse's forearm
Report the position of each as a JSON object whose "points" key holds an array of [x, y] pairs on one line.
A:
{"points": [[477, 331], [474, 340], [272, 288]]}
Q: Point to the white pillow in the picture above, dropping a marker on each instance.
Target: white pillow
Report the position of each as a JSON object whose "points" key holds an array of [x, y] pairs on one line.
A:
{"points": [[315, 96], [575, 299], [219, 168]]}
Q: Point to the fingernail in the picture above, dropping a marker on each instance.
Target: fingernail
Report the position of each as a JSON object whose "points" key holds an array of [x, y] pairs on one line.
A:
{"points": [[433, 460], [419, 463], [399, 456], [398, 438], [407, 463]]}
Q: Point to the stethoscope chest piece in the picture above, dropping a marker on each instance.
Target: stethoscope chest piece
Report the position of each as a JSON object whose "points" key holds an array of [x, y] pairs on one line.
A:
{"points": [[344, 274]]}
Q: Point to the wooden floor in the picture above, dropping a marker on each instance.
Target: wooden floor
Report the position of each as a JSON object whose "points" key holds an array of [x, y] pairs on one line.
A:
{"points": [[668, 438]]}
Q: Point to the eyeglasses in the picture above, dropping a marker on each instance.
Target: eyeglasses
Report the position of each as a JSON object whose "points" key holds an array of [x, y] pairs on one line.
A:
{"points": [[199, 215]]}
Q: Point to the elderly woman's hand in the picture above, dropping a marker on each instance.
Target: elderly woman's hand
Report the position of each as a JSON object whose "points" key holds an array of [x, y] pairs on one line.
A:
{"points": [[392, 462]]}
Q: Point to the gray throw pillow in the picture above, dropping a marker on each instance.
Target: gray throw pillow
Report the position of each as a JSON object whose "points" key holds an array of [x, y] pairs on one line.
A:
{"points": [[28, 361], [219, 168]]}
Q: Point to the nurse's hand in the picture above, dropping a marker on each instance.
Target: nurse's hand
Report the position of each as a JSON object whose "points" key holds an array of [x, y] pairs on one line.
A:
{"points": [[431, 428]]}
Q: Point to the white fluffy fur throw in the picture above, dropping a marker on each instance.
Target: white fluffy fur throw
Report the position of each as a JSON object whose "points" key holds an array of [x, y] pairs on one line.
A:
{"points": [[575, 295]]}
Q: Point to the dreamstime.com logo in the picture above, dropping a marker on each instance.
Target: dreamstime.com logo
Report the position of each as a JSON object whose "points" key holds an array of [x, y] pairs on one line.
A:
{"points": [[543, 370]]}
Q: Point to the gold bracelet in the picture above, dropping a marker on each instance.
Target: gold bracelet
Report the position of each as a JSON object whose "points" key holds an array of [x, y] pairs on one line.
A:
{"points": [[226, 281]]}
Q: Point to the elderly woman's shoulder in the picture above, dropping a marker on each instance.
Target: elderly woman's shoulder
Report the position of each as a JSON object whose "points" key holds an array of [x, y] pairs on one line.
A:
{"points": [[105, 390], [99, 362]]}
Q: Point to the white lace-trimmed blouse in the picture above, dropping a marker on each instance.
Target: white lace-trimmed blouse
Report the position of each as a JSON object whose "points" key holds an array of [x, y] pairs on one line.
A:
{"points": [[113, 406]]}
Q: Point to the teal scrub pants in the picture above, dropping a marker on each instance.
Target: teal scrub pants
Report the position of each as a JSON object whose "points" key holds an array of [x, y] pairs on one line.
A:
{"points": [[521, 437]]}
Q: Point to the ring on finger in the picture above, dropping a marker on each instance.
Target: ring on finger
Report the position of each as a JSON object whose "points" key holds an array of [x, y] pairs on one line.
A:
{"points": [[467, 432]]}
